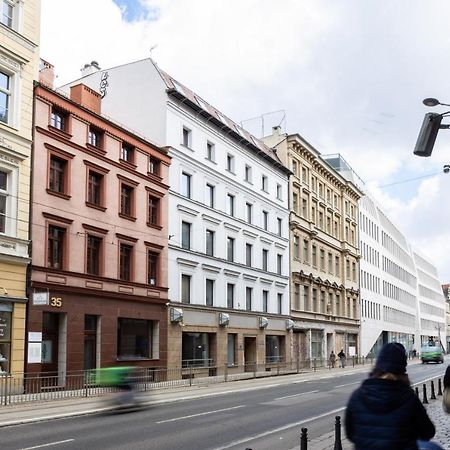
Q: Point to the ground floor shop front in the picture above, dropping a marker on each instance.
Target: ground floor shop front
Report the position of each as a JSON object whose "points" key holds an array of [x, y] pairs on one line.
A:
{"points": [[78, 331]]}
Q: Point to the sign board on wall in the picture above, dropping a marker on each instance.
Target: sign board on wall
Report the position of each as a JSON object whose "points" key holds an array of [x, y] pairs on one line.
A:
{"points": [[34, 352], [40, 298], [352, 351], [34, 336]]}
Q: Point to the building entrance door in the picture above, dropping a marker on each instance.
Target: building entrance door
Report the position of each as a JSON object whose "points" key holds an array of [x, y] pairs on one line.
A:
{"points": [[50, 340], [249, 354], [90, 342]]}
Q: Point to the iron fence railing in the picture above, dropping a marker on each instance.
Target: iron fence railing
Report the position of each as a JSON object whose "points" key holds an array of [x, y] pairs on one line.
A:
{"points": [[28, 387]]}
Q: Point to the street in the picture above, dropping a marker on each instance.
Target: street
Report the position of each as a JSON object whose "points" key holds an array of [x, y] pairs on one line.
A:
{"points": [[263, 418]]}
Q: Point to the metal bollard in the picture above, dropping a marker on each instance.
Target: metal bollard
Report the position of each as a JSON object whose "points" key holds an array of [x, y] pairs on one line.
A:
{"points": [[304, 439], [417, 391], [337, 434], [425, 399], [433, 396], [314, 364], [439, 386]]}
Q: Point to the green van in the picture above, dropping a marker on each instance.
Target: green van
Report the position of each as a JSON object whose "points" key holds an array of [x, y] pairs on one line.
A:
{"points": [[430, 353]]}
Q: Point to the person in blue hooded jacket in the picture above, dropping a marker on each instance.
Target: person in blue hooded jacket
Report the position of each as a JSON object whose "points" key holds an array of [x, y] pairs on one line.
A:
{"points": [[384, 412]]}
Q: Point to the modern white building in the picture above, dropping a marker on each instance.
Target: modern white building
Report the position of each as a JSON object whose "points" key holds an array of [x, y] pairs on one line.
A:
{"points": [[401, 296], [228, 221]]}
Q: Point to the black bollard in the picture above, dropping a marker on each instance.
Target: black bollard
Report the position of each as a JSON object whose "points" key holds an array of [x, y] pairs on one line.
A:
{"points": [[417, 391], [337, 434], [439, 386], [425, 400], [433, 395], [304, 439]]}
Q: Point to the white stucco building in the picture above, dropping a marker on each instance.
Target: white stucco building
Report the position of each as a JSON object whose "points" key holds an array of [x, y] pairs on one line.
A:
{"points": [[228, 220], [401, 297]]}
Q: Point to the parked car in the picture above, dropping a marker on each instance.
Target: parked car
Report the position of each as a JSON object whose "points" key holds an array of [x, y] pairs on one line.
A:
{"points": [[430, 353]]}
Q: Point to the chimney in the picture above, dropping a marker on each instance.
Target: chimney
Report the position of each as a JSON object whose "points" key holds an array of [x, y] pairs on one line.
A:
{"points": [[88, 69], [276, 130], [87, 97], [46, 73]]}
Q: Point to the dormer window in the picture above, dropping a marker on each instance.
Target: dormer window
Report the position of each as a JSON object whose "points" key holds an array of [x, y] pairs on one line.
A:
{"points": [[127, 153]]}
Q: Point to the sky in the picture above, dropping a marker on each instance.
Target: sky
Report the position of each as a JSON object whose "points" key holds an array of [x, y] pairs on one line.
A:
{"points": [[349, 76]]}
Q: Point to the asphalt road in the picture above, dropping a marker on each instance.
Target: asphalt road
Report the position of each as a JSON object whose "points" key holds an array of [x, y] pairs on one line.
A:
{"points": [[261, 419]]}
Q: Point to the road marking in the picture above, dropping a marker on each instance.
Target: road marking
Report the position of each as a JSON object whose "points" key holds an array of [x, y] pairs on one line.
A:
{"points": [[297, 395], [348, 384], [277, 430], [49, 444], [200, 414]]}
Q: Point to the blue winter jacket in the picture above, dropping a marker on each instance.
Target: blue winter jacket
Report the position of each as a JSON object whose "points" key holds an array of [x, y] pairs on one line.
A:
{"points": [[385, 414]]}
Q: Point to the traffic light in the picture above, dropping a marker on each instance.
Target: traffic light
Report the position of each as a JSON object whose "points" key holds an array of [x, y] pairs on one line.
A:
{"points": [[427, 135]]}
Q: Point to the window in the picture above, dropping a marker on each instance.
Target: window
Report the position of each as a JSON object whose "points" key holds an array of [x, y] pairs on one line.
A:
{"points": [[279, 264], [353, 271], [248, 174], [185, 288], [58, 175], [305, 175], [306, 298], [134, 338], [274, 348], [249, 207], [265, 219], [330, 262], [152, 268], [347, 269], [230, 295], [230, 204], [7, 13], [294, 202], [154, 166], [210, 151], [93, 254], [59, 119], [186, 235], [280, 303], [187, 136], [314, 183], [209, 292], [153, 210], [279, 192], [230, 249], [279, 226], [210, 242], [126, 200], [231, 349], [125, 262], [322, 259], [4, 196], [186, 185], [248, 298], [127, 153], [248, 254], [265, 259], [5, 97], [5, 337], [337, 268], [55, 249], [95, 137], [296, 296], [210, 195], [196, 349], [305, 250], [294, 167], [230, 163], [265, 300], [296, 247], [95, 188], [314, 255], [264, 183]]}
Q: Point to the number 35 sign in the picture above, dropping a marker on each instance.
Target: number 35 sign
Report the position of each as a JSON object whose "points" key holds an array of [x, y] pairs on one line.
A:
{"points": [[56, 302]]}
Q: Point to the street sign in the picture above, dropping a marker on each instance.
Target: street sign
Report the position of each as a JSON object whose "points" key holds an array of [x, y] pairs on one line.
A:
{"points": [[40, 298]]}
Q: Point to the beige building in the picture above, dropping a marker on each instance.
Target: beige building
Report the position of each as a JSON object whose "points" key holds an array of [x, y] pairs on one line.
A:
{"points": [[324, 252], [19, 62]]}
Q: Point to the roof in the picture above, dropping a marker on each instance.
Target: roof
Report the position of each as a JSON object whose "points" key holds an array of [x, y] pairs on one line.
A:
{"points": [[179, 90]]}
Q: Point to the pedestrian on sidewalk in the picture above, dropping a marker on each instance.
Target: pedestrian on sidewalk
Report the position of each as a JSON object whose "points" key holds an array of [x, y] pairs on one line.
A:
{"points": [[341, 355], [446, 393], [384, 412], [332, 359]]}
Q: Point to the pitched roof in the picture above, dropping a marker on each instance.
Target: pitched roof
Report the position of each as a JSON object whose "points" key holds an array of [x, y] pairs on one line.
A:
{"points": [[189, 97]]}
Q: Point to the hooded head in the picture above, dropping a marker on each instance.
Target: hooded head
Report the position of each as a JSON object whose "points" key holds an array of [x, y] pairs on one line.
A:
{"points": [[392, 359]]}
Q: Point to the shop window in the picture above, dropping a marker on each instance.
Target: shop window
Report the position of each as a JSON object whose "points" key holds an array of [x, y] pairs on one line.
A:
{"points": [[5, 337], [316, 344], [134, 338], [231, 349], [196, 349], [56, 247], [274, 350]]}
